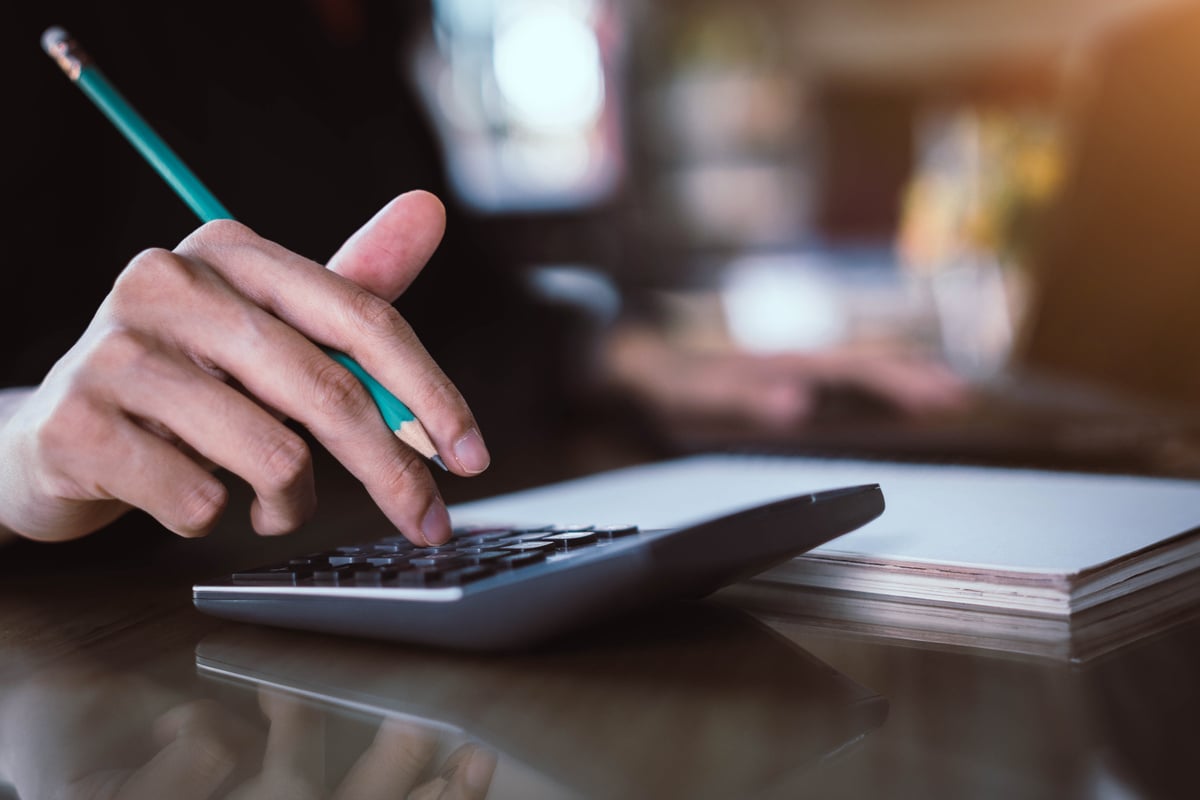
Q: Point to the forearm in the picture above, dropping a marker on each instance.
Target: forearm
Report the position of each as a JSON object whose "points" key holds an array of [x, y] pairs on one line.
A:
{"points": [[11, 400]]}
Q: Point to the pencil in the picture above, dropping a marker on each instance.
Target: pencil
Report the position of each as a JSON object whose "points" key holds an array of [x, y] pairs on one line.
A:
{"points": [[79, 67]]}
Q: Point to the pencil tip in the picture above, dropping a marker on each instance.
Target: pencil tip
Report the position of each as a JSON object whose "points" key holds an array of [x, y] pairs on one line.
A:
{"points": [[435, 458]]}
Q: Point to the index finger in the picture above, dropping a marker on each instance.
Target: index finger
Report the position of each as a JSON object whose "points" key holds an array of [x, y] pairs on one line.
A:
{"points": [[335, 312]]}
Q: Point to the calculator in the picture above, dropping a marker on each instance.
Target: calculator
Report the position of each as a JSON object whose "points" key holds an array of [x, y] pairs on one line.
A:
{"points": [[504, 586]]}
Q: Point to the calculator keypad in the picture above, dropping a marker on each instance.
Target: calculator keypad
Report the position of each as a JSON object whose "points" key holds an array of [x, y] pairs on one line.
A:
{"points": [[473, 553]]}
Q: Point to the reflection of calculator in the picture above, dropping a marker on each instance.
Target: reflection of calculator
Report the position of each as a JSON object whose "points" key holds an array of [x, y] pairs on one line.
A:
{"points": [[504, 587], [688, 700]]}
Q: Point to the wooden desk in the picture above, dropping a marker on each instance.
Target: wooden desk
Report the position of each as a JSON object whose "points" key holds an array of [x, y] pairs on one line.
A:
{"points": [[696, 702]]}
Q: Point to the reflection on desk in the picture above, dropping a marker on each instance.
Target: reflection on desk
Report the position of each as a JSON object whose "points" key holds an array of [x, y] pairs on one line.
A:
{"points": [[692, 701]]}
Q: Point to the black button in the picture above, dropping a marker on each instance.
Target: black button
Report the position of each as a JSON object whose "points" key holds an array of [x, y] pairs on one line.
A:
{"points": [[392, 547], [467, 574], [485, 538], [572, 539], [274, 574], [437, 560], [418, 577], [617, 531], [343, 560], [520, 559], [486, 557], [332, 575], [387, 561], [528, 546], [373, 577]]}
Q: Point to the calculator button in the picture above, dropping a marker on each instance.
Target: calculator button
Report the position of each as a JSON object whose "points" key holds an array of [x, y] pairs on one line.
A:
{"points": [[528, 546], [392, 547], [617, 531], [571, 539], [528, 537], [484, 538], [373, 577], [486, 557], [388, 561], [475, 550], [467, 531], [332, 574], [343, 560], [433, 550], [570, 528], [279, 574], [467, 574], [516, 560], [447, 560], [418, 577]]}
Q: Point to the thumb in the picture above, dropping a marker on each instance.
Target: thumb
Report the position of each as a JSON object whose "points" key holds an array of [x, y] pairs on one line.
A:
{"points": [[388, 252]]}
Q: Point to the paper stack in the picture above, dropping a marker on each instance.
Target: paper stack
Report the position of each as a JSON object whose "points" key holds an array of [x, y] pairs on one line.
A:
{"points": [[1049, 563]]}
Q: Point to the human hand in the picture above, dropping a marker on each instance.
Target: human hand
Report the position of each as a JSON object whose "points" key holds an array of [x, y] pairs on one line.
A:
{"points": [[768, 392], [197, 355]]}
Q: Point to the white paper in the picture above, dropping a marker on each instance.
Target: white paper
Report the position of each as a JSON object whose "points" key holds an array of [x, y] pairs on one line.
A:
{"points": [[973, 517]]}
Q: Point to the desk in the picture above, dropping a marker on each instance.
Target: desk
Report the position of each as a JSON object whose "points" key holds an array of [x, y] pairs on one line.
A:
{"points": [[700, 702]]}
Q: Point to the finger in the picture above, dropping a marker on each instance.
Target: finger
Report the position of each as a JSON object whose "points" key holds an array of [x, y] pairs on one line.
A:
{"points": [[392, 765], [287, 372], [472, 778], [466, 775], [229, 430], [746, 390], [141, 469], [335, 312], [386, 254], [204, 750], [914, 387], [294, 761]]}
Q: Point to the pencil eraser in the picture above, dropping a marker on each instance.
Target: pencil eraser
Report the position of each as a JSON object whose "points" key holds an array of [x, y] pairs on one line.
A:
{"points": [[53, 37]]}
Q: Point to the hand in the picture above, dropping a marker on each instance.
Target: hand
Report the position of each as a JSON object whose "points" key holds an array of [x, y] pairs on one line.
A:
{"points": [[195, 357], [767, 392]]}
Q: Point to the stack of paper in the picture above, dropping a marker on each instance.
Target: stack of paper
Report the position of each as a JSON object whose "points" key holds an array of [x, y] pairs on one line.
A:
{"points": [[1035, 550]]}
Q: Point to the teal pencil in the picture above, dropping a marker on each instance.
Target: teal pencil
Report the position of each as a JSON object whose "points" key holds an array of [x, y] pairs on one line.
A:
{"points": [[59, 45]]}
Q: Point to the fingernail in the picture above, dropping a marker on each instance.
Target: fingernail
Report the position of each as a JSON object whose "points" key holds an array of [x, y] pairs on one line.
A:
{"points": [[436, 525], [480, 769], [471, 453]]}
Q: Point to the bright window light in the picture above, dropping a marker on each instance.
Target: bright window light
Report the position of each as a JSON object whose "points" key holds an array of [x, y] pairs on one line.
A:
{"points": [[548, 69]]}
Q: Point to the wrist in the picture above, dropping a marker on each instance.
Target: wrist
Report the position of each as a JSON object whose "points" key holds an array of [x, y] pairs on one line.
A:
{"points": [[11, 401]]}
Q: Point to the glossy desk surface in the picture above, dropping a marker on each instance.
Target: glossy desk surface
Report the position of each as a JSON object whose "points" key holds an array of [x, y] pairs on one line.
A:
{"points": [[111, 685]]}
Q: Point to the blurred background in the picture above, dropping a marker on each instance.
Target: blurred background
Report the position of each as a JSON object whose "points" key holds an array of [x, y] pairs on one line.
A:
{"points": [[777, 221], [1005, 188]]}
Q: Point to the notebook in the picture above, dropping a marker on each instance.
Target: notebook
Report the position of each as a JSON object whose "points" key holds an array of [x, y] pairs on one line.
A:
{"points": [[1039, 544]]}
